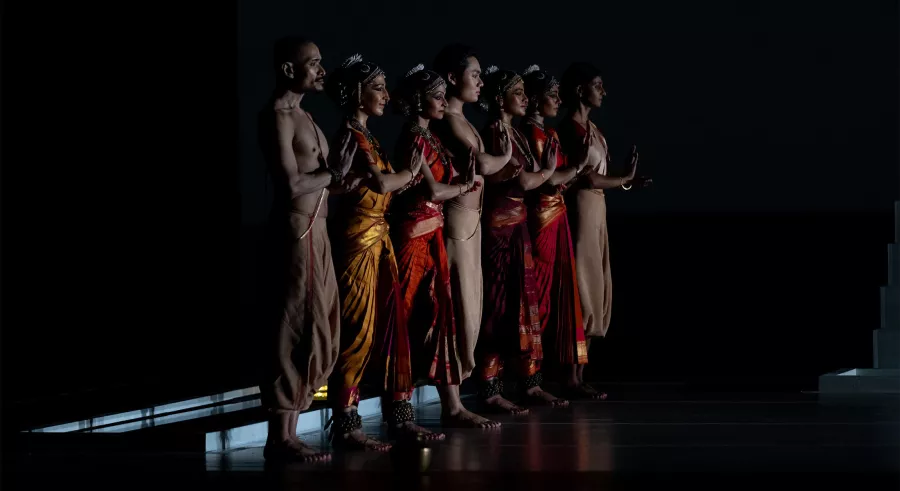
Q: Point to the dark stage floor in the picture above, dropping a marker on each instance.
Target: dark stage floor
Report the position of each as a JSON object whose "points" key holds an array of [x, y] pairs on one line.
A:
{"points": [[653, 437]]}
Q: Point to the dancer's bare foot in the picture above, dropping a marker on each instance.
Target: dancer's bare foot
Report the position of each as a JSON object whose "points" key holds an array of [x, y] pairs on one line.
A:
{"points": [[294, 450], [409, 430], [584, 391], [358, 440], [498, 404], [467, 419], [297, 441], [540, 396]]}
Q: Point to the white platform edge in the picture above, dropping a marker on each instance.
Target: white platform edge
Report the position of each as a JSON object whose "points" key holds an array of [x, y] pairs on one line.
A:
{"points": [[861, 381], [255, 434], [149, 413]]}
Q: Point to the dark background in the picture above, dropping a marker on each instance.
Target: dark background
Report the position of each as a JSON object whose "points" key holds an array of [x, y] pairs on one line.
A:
{"points": [[133, 193]]}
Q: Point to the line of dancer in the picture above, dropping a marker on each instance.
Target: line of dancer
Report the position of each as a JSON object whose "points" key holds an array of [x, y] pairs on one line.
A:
{"points": [[454, 259]]}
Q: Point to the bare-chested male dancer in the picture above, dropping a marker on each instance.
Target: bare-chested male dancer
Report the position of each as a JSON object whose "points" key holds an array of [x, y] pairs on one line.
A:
{"points": [[459, 66], [307, 342]]}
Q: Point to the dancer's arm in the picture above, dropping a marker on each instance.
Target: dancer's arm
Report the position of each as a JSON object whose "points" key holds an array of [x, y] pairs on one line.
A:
{"points": [[487, 164]]}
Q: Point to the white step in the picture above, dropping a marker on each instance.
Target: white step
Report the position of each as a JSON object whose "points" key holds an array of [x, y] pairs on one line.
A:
{"points": [[897, 222], [894, 264], [861, 381], [890, 308], [886, 348]]}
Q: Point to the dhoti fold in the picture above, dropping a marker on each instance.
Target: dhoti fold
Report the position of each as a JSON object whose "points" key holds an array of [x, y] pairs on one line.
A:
{"points": [[463, 237], [592, 261], [306, 339]]}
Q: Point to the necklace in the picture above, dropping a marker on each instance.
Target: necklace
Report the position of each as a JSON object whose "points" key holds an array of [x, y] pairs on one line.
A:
{"points": [[520, 145], [435, 144], [356, 125], [536, 123]]}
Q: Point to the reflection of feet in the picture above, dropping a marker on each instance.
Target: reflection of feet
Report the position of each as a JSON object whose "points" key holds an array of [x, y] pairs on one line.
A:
{"points": [[294, 450], [468, 419], [357, 440], [409, 430], [540, 396], [499, 404], [584, 391]]}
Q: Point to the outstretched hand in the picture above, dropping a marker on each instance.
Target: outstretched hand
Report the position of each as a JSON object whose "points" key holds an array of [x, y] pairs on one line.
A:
{"points": [[635, 157], [505, 142], [417, 159], [642, 182], [347, 153], [552, 155], [589, 158]]}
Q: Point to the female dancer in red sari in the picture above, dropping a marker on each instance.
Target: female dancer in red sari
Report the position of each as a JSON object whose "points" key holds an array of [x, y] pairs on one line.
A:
{"points": [[562, 328], [373, 325], [511, 330], [418, 231]]}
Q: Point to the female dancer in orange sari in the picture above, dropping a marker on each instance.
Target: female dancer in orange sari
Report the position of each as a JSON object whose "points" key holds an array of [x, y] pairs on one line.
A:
{"points": [[419, 235], [373, 324], [562, 329], [511, 330]]}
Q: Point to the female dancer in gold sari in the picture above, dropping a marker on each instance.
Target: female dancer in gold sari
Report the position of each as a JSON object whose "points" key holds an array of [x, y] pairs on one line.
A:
{"points": [[422, 255], [373, 323], [511, 329], [562, 329]]}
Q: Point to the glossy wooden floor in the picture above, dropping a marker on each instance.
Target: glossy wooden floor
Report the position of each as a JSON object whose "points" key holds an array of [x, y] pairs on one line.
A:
{"points": [[644, 437]]}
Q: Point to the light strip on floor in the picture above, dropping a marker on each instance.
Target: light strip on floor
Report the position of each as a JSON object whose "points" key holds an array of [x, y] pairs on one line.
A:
{"points": [[148, 413]]}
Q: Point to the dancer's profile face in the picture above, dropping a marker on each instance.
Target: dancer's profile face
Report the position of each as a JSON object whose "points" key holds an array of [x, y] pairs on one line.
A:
{"points": [[515, 101], [468, 84], [375, 97], [593, 92], [306, 71], [548, 104], [434, 103]]}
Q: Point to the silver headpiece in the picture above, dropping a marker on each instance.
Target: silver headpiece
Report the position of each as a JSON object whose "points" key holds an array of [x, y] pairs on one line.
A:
{"points": [[417, 68], [532, 68], [353, 74], [356, 58]]}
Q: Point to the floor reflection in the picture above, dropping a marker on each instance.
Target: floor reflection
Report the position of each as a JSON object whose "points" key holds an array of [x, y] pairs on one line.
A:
{"points": [[643, 434]]}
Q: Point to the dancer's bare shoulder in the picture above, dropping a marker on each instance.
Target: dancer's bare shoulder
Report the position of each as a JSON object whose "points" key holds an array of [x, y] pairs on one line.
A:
{"points": [[463, 131]]}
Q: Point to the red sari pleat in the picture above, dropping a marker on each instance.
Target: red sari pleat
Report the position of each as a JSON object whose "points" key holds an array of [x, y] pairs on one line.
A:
{"points": [[424, 273], [510, 322], [560, 301]]}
